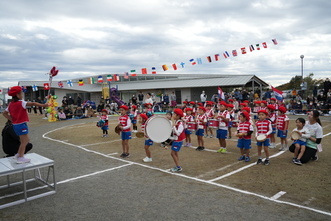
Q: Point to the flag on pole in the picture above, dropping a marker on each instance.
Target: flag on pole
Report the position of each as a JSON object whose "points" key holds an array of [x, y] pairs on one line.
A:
{"points": [[192, 61], [70, 84], [234, 53], [100, 79], [60, 84], [46, 86], [257, 46], [278, 93], [274, 41], [165, 67], [251, 48], [144, 70], [264, 44], [199, 60], [216, 57], [126, 75], [109, 77], [153, 70], [91, 80], [221, 93], [209, 59], [116, 77], [133, 73], [34, 88], [174, 66], [243, 50], [81, 82]]}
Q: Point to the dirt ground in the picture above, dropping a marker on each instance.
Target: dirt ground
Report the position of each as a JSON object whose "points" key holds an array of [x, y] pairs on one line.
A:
{"points": [[307, 185]]}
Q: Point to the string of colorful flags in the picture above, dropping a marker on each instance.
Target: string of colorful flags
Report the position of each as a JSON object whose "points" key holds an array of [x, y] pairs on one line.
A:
{"points": [[165, 67]]}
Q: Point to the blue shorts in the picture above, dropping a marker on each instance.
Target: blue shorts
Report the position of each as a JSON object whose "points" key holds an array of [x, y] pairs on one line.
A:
{"points": [[273, 130], [126, 135], [265, 143], [148, 142], [200, 132], [244, 143], [134, 121], [300, 142], [21, 129], [230, 124], [188, 131], [104, 127], [176, 145], [281, 134], [222, 134]]}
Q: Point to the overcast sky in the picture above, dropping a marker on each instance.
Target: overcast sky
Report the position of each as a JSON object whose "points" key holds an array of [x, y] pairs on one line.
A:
{"points": [[92, 37]]}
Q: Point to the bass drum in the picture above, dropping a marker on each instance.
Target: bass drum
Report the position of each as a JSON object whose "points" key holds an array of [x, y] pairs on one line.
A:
{"points": [[158, 129]]}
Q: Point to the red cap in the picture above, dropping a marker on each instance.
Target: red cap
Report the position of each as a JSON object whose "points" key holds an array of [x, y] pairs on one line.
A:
{"points": [[192, 102], [246, 101], [246, 115], [231, 105], [179, 112], [223, 103], [134, 106], [257, 102], [188, 109], [282, 109], [185, 102], [144, 116], [243, 104], [104, 110], [263, 111], [230, 100], [13, 91], [200, 104], [146, 104], [202, 108], [273, 99], [246, 109], [271, 107], [264, 102], [124, 107]]}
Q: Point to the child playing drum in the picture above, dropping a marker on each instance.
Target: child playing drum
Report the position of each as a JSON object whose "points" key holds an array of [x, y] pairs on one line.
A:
{"points": [[245, 130], [125, 126], [148, 142]]}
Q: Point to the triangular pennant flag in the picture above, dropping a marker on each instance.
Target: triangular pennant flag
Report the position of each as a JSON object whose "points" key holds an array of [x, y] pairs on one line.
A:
{"points": [[133, 73], [243, 50], [257, 46], [60, 84], [34, 88], [209, 59], [144, 70], [70, 84], [81, 82], [274, 41], [199, 60], [153, 70], [46, 86], [109, 77], [217, 57], [192, 61], [264, 44], [174, 66], [165, 67], [234, 53], [100, 79]]}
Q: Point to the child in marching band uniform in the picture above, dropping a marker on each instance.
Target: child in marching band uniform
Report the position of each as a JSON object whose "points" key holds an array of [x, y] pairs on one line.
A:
{"points": [[232, 117], [179, 133], [201, 120], [256, 109], [210, 114], [125, 126], [148, 109], [263, 105], [105, 127], [245, 130], [272, 117], [187, 119], [273, 102], [263, 126], [282, 127], [133, 117], [148, 142], [224, 117]]}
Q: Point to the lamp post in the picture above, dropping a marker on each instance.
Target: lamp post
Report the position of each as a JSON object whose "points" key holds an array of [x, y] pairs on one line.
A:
{"points": [[302, 56]]}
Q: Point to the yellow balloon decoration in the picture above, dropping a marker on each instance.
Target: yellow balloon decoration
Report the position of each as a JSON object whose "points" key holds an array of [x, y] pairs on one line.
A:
{"points": [[51, 110]]}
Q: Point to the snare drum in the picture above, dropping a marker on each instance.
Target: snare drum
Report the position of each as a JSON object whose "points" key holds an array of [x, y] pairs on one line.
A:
{"points": [[214, 123], [192, 126], [158, 129], [295, 135], [261, 137]]}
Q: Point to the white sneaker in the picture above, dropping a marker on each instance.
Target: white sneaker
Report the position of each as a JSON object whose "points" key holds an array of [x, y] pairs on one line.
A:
{"points": [[147, 159], [22, 160], [16, 156]]}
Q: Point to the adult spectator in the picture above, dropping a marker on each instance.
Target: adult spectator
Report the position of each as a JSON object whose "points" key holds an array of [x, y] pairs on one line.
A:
{"points": [[215, 98], [148, 98], [64, 102], [11, 142], [326, 86], [79, 113], [320, 97], [203, 97], [245, 95], [67, 112], [134, 99], [173, 99], [316, 134], [79, 101], [267, 94], [40, 108], [71, 103], [29, 108], [141, 97]]}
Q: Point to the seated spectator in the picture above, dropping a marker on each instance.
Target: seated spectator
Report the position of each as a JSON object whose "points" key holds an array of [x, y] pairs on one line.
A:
{"points": [[61, 115], [79, 113], [68, 113], [88, 112]]}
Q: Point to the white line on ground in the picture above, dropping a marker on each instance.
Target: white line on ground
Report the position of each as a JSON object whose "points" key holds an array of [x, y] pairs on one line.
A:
{"points": [[188, 177], [112, 154], [277, 195], [93, 144]]}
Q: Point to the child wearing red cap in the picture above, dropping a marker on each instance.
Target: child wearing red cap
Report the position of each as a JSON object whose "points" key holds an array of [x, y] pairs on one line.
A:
{"points": [[16, 113], [104, 117], [148, 142], [201, 120], [256, 108], [244, 132], [125, 126], [210, 115], [133, 116], [224, 117], [282, 127], [188, 118], [263, 126], [232, 117], [273, 118], [179, 134]]}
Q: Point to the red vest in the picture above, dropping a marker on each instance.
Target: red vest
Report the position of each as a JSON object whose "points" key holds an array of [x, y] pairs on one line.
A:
{"points": [[18, 113], [281, 122], [263, 126], [200, 119], [182, 135], [188, 118], [222, 122], [124, 122], [244, 127]]}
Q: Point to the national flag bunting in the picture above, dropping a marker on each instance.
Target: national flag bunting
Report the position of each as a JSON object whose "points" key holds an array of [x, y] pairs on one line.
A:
{"points": [[226, 54], [264, 44], [165, 67], [234, 53], [126, 75], [278, 93], [60, 84], [199, 60], [81, 82], [217, 57], [221, 93], [257, 46], [243, 50], [274, 41], [109, 77], [182, 64], [174, 66], [209, 59], [70, 84], [91, 80], [46, 86], [144, 70], [251, 48], [133, 73], [34, 88], [153, 70], [24, 89], [100, 79], [116, 77], [192, 61]]}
